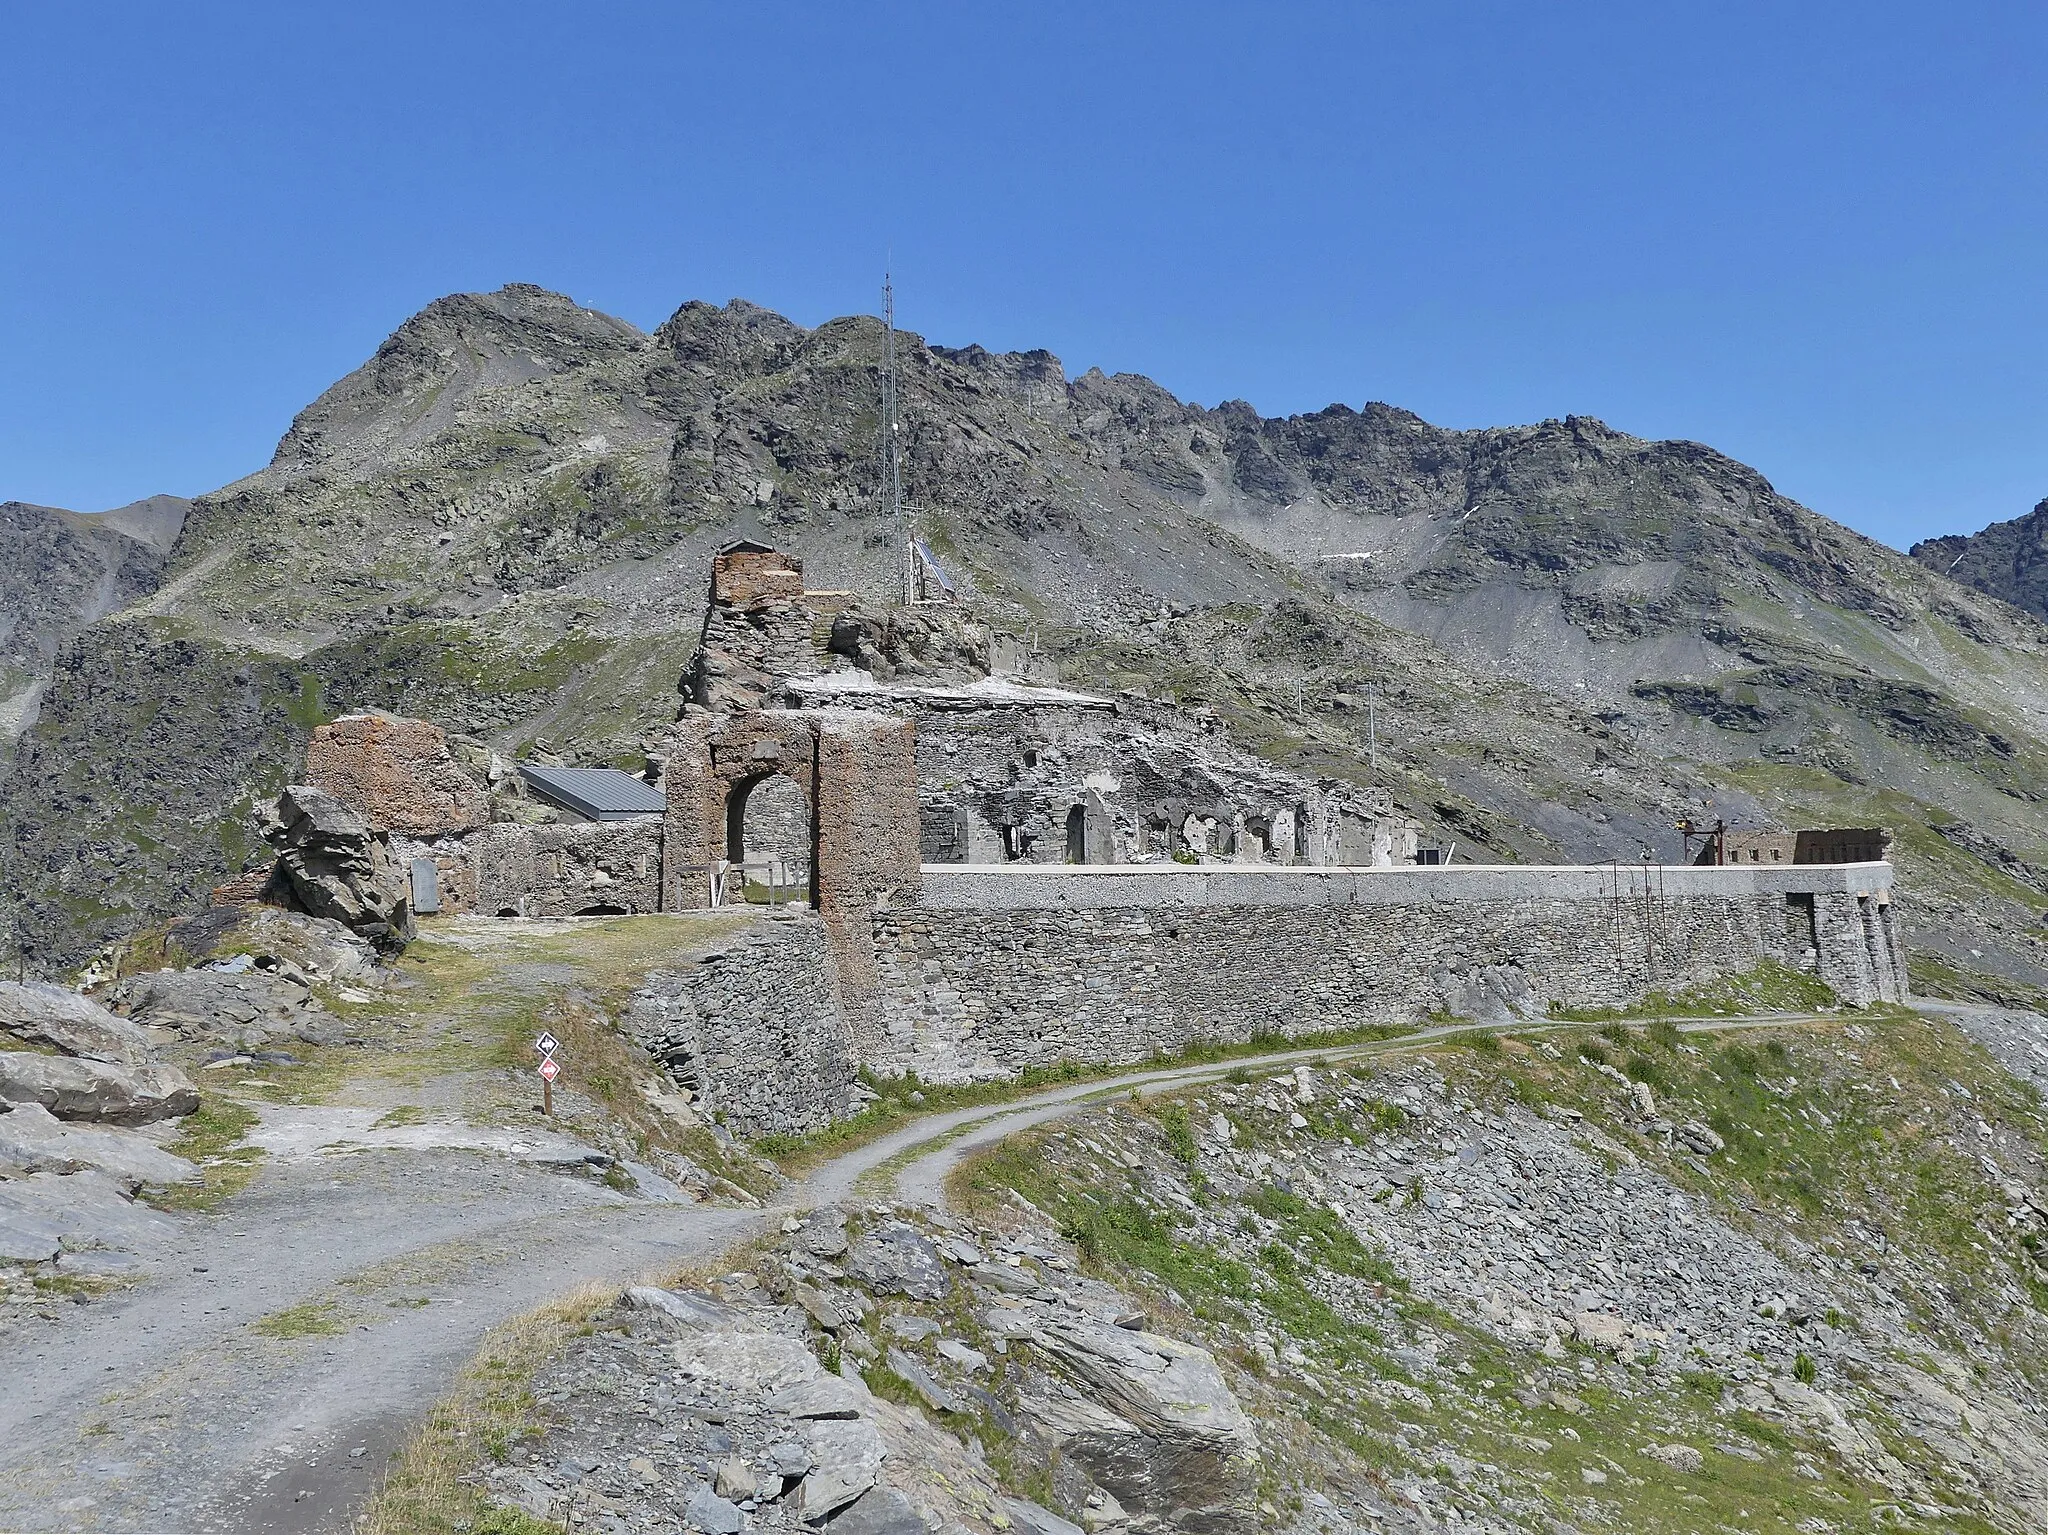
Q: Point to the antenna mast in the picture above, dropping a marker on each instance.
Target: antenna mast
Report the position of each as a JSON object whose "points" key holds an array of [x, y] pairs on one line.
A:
{"points": [[892, 463]]}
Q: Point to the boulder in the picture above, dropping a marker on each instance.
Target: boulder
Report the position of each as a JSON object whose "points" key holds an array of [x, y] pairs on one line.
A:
{"points": [[828, 1396], [898, 1260], [1156, 1425], [748, 1363], [1030, 1519], [822, 1234], [35, 1140], [880, 1511], [42, 1014], [247, 1008], [714, 1515], [100, 1091], [846, 1460], [46, 1211], [334, 865], [396, 774], [688, 1307]]}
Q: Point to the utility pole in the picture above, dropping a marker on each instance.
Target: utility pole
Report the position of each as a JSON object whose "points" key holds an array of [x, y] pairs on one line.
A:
{"points": [[1372, 725]]}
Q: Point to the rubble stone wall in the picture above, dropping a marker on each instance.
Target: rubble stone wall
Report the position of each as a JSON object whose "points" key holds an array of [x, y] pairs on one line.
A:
{"points": [[755, 1032], [999, 783], [559, 871], [998, 969]]}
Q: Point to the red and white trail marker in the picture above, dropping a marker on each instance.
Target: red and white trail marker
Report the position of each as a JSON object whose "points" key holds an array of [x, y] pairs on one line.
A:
{"points": [[550, 1068]]}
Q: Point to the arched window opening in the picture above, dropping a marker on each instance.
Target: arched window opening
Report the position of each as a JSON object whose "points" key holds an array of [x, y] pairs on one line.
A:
{"points": [[768, 838]]}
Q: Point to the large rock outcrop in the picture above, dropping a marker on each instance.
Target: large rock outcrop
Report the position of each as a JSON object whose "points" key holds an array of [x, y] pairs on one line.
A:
{"points": [[41, 1014], [397, 774], [34, 1140], [331, 864], [96, 1091]]}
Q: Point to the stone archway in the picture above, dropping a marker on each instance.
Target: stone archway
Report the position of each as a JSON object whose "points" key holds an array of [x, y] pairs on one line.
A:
{"points": [[770, 836], [856, 771]]}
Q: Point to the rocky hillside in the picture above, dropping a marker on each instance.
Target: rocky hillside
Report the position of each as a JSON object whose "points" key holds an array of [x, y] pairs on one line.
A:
{"points": [[61, 570], [2007, 559], [1566, 638]]}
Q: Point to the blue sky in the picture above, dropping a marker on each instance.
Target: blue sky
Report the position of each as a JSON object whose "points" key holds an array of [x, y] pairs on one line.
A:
{"points": [[1812, 236]]}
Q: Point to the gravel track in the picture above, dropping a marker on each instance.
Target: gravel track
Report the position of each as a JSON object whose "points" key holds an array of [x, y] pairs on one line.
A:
{"points": [[163, 1409]]}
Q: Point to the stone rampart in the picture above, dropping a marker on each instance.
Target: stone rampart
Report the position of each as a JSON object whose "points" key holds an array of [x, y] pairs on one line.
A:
{"points": [[996, 969], [754, 1032]]}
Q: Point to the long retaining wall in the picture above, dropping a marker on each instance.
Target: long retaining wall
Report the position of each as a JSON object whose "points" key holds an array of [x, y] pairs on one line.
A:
{"points": [[754, 1031], [995, 968]]}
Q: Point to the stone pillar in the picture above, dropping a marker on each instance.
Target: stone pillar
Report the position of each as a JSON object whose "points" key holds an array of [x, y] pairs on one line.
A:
{"points": [[867, 852], [693, 826], [1844, 948]]}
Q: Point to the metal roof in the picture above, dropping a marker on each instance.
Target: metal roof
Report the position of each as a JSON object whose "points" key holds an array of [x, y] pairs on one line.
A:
{"points": [[603, 794]]}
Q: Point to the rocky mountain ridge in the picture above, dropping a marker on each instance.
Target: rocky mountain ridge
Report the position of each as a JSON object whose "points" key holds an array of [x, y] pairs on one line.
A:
{"points": [[2008, 559], [1559, 638], [60, 571]]}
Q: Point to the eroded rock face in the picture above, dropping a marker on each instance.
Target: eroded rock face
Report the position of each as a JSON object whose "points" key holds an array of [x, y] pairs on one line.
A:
{"points": [[896, 1260], [931, 643], [245, 1009], [334, 865], [102, 1092], [45, 1214], [35, 1140], [1154, 1422], [42, 1014]]}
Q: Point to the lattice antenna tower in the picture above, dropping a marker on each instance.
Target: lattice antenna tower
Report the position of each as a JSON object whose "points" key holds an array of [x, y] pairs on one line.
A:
{"points": [[892, 457]]}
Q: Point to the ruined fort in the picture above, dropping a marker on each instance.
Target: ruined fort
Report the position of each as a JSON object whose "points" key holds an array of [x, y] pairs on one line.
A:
{"points": [[963, 871]]}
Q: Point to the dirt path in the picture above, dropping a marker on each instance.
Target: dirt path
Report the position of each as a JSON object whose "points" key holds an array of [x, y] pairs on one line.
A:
{"points": [[189, 1403]]}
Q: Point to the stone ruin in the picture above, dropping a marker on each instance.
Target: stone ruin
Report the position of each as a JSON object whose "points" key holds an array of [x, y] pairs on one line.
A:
{"points": [[986, 873]]}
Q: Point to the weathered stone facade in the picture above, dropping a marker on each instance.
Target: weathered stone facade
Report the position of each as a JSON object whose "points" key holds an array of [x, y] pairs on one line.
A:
{"points": [[1010, 773], [757, 629], [859, 772], [582, 869], [396, 774], [755, 1032], [996, 970]]}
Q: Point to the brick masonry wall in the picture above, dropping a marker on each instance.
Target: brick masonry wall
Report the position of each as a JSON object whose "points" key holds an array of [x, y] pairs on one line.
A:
{"points": [[754, 1031], [396, 774], [1110, 969]]}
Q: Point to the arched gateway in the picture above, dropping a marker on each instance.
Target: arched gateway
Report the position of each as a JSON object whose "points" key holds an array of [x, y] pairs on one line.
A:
{"points": [[857, 773]]}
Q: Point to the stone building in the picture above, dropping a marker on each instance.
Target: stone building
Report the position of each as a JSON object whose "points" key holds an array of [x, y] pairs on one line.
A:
{"points": [[1774, 845]]}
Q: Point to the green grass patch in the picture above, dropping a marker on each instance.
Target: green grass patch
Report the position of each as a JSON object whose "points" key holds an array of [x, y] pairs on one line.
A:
{"points": [[315, 1319], [1768, 988], [211, 1137]]}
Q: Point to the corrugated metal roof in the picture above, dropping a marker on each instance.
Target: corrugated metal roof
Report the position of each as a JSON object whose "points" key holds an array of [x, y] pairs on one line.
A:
{"points": [[603, 794]]}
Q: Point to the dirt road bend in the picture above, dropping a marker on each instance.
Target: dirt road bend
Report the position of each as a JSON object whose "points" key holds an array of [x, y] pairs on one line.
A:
{"points": [[290, 1340]]}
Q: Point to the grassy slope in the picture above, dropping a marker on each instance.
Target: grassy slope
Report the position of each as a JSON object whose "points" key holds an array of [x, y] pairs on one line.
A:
{"points": [[1812, 1150]]}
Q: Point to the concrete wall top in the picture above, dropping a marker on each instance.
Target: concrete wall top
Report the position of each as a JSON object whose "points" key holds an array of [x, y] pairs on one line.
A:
{"points": [[1037, 887]]}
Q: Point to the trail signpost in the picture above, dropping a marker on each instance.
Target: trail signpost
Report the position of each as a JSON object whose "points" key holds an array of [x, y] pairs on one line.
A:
{"points": [[550, 1068]]}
